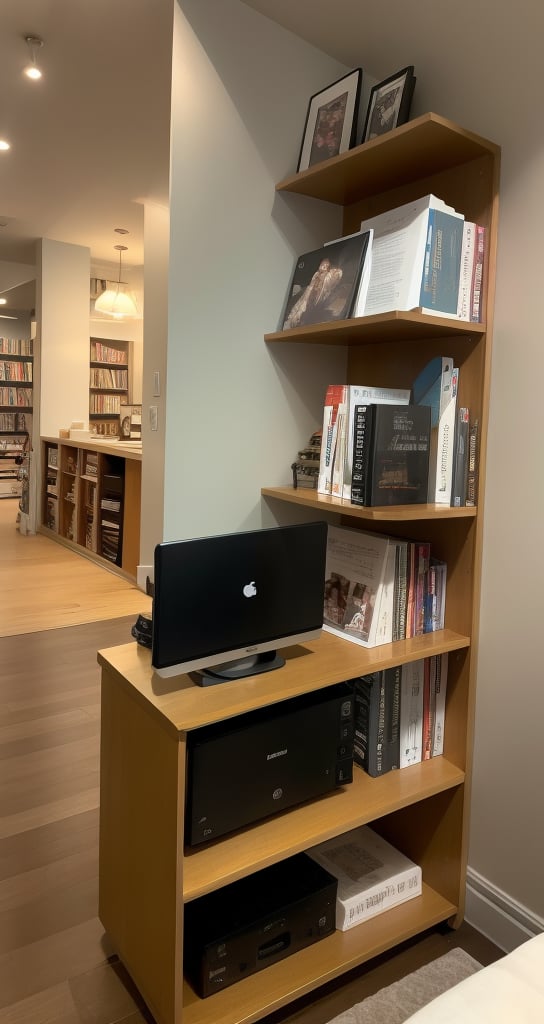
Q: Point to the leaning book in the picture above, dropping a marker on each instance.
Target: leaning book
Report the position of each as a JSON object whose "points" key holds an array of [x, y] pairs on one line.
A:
{"points": [[325, 282], [373, 876], [359, 586]]}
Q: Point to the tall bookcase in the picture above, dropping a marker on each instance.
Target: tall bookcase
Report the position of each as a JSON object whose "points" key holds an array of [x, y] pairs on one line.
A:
{"points": [[109, 384], [146, 874], [16, 363]]}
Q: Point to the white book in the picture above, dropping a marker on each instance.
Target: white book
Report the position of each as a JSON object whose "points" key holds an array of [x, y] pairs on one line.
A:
{"points": [[398, 254], [361, 394], [440, 684], [411, 713], [445, 455], [373, 876], [357, 574], [334, 398], [468, 248]]}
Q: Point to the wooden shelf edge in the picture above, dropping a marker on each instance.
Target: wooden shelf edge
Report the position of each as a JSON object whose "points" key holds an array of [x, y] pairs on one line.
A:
{"points": [[268, 990], [297, 829], [392, 513], [406, 325]]}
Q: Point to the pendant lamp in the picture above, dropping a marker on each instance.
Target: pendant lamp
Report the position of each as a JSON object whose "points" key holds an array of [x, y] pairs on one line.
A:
{"points": [[117, 301]]}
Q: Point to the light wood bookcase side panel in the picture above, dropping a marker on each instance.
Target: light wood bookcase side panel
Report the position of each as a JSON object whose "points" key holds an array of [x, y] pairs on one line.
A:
{"points": [[142, 771]]}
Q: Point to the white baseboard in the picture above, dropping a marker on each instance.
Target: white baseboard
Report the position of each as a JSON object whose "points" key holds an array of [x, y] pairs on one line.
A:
{"points": [[496, 915], [143, 572]]}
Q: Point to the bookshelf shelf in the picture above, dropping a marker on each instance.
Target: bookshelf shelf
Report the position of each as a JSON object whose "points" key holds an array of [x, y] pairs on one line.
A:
{"points": [[111, 357], [424, 809]]}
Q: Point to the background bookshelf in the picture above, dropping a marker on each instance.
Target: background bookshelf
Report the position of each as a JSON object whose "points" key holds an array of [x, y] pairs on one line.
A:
{"points": [[16, 407], [85, 485], [109, 384]]}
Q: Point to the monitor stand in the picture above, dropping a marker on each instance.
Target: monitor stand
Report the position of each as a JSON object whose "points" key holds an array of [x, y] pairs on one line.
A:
{"points": [[238, 669]]}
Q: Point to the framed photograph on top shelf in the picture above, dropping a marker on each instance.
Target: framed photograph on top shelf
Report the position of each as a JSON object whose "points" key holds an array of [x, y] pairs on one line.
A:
{"points": [[389, 103], [331, 120], [325, 282], [130, 422]]}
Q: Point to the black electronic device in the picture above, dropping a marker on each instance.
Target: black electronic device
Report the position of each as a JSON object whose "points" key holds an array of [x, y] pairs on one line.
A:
{"points": [[223, 605], [256, 921], [254, 765]]}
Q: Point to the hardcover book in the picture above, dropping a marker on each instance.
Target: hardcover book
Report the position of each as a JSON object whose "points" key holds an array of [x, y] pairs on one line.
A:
{"points": [[411, 713], [373, 875], [360, 394], [377, 721], [359, 586], [333, 414], [391, 445], [432, 387], [325, 282]]}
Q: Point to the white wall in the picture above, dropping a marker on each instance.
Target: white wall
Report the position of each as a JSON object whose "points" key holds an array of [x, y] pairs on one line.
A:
{"points": [[237, 410], [62, 312]]}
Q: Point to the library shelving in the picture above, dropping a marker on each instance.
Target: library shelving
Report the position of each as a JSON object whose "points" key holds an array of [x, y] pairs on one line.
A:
{"points": [[16, 363], [109, 384], [91, 499], [146, 872]]}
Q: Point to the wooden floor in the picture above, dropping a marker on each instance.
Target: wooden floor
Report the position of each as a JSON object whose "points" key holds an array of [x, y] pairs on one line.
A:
{"points": [[56, 966]]}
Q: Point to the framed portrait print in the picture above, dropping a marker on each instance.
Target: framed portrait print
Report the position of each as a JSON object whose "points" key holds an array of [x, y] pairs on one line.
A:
{"points": [[331, 120], [389, 103]]}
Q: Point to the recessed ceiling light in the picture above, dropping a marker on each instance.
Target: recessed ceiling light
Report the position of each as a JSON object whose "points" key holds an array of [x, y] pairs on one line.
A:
{"points": [[3, 302], [4, 144]]}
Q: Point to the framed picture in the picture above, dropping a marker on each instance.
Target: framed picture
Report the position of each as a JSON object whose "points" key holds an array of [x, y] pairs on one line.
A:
{"points": [[389, 103], [331, 120], [324, 282], [130, 422]]}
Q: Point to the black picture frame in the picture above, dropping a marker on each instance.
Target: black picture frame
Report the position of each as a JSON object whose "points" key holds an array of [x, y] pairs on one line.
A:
{"points": [[331, 120], [389, 103], [324, 283]]}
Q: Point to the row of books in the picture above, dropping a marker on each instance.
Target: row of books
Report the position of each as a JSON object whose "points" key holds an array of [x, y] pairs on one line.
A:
{"points": [[15, 347], [105, 354], [13, 421], [379, 589], [400, 715], [16, 396], [422, 255], [391, 446], [101, 377], [15, 371]]}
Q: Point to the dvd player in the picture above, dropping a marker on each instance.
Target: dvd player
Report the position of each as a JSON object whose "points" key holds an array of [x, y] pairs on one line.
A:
{"points": [[256, 921]]}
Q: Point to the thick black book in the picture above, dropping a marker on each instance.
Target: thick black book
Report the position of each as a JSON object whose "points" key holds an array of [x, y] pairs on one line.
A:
{"points": [[391, 445], [377, 721]]}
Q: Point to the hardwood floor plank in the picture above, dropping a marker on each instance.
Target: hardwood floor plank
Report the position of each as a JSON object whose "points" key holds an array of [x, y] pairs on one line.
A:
{"points": [[52, 913], [29, 887], [26, 851], [104, 994], [32, 818], [62, 757], [45, 704], [55, 1005], [41, 965]]}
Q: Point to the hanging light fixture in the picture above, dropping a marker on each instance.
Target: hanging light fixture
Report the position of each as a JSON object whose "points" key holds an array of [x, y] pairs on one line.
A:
{"points": [[32, 70], [117, 301]]}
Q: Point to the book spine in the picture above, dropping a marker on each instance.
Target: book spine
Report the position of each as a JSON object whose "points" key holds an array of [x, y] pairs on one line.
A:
{"points": [[380, 897], [411, 713], [472, 470], [337, 478], [362, 443], [369, 723], [466, 271], [460, 466], [440, 685], [423, 554], [445, 446], [477, 276], [427, 726], [333, 399], [391, 741]]}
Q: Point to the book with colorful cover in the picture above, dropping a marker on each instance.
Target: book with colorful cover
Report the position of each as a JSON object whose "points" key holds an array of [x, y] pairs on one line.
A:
{"points": [[334, 399], [359, 586]]}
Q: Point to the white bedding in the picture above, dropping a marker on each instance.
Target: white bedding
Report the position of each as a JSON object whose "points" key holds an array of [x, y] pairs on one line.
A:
{"points": [[510, 991]]}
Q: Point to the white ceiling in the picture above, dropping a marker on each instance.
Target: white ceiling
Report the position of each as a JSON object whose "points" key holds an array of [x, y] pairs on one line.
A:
{"points": [[90, 140]]}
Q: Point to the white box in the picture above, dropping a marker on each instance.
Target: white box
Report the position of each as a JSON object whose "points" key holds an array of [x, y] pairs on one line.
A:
{"points": [[372, 875]]}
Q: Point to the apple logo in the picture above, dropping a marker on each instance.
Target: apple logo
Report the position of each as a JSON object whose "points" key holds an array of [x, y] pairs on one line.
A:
{"points": [[250, 589]]}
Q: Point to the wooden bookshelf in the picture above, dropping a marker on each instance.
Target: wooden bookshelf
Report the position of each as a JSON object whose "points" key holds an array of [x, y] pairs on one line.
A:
{"points": [[146, 873], [110, 384], [79, 478]]}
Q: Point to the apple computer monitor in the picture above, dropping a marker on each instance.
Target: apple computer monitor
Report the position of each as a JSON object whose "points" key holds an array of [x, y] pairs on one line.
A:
{"points": [[223, 605]]}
